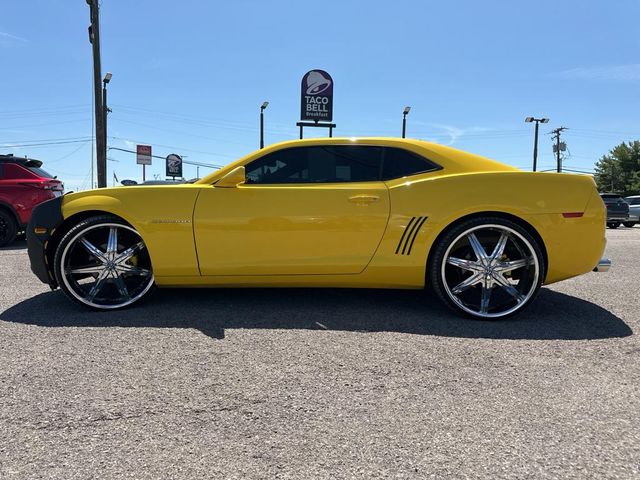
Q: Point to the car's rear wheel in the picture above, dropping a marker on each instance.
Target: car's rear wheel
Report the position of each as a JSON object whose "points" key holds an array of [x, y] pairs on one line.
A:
{"points": [[487, 268], [613, 224], [8, 228], [629, 224], [103, 263]]}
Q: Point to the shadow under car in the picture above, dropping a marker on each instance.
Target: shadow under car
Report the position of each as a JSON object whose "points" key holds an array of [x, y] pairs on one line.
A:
{"points": [[553, 315]]}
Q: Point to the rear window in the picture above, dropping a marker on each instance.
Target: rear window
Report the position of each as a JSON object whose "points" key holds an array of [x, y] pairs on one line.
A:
{"points": [[633, 201], [40, 172], [611, 198], [402, 163]]}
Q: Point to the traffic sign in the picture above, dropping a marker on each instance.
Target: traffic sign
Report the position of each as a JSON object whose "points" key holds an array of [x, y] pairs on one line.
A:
{"points": [[143, 154]]}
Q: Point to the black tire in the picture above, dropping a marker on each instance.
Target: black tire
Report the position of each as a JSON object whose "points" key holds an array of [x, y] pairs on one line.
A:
{"points": [[613, 225], [446, 275], [629, 224], [8, 228], [112, 273]]}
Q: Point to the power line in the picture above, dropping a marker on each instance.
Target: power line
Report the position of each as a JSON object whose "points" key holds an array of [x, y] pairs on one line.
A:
{"points": [[49, 139], [41, 144], [43, 110], [12, 127], [174, 147], [176, 132], [198, 164]]}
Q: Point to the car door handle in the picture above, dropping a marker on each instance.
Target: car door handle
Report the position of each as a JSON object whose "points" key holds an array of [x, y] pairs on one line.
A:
{"points": [[364, 199]]}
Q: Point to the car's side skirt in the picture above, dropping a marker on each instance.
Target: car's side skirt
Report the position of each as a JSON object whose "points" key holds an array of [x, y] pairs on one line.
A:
{"points": [[289, 281]]}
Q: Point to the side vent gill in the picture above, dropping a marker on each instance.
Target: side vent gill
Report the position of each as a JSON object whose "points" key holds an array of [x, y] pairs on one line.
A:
{"points": [[409, 235]]}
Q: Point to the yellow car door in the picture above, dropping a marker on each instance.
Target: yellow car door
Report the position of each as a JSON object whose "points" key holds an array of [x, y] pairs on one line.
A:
{"points": [[303, 210]]}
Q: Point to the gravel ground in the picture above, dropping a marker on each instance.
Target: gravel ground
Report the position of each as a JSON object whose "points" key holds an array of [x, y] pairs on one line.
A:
{"points": [[321, 383]]}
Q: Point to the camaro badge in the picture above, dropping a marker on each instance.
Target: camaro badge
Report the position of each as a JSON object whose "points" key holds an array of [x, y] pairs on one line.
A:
{"points": [[169, 220]]}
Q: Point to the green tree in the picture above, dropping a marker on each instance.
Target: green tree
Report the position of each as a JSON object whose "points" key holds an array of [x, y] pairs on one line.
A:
{"points": [[619, 170]]}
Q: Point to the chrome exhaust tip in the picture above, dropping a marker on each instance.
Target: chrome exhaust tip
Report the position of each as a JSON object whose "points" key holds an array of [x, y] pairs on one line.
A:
{"points": [[603, 265]]}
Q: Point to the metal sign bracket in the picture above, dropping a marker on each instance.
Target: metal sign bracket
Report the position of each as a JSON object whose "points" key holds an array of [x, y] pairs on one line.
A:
{"points": [[330, 126]]}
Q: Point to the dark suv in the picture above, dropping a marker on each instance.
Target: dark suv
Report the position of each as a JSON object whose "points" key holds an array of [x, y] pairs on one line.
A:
{"points": [[617, 209], [23, 185]]}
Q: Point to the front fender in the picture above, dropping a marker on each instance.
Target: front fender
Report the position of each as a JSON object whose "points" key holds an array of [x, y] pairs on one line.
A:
{"points": [[162, 215]]}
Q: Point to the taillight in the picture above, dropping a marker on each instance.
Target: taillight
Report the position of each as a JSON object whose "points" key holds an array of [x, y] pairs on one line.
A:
{"points": [[45, 185]]}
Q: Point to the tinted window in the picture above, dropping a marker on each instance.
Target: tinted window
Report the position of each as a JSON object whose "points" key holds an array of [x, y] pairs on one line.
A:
{"points": [[401, 163], [633, 201], [40, 172], [609, 198], [321, 164]]}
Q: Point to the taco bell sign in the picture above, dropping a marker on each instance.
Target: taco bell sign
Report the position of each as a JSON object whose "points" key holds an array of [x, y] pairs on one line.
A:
{"points": [[316, 99]]}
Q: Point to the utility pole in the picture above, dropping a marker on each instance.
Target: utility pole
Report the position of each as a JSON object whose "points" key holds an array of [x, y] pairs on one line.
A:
{"points": [[556, 135], [101, 144]]}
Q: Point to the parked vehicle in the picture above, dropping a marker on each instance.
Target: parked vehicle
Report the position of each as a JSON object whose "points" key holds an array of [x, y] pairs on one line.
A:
{"points": [[617, 209], [363, 213], [23, 185], [634, 210]]}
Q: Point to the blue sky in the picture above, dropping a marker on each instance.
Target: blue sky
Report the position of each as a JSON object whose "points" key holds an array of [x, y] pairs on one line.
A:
{"points": [[189, 76]]}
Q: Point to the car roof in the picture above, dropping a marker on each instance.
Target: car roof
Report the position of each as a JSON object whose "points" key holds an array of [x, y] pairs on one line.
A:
{"points": [[27, 162]]}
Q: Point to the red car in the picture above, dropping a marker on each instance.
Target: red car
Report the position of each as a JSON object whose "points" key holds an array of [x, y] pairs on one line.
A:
{"points": [[23, 185]]}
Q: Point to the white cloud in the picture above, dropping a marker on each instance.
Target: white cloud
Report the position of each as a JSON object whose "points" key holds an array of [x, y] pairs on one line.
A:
{"points": [[450, 133], [6, 38], [630, 72]]}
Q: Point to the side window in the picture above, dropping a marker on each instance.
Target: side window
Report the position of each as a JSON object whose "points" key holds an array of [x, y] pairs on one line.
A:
{"points": [[353, 163], [402, 163], [284, 166], [318, 164], [1, 171]]}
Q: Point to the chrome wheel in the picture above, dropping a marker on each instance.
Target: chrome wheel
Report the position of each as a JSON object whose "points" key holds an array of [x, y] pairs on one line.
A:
{"points": [[105, 266], [490, 271]]}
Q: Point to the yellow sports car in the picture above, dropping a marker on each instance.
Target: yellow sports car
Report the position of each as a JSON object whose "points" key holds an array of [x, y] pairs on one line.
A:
{"points": [[367, 212]]}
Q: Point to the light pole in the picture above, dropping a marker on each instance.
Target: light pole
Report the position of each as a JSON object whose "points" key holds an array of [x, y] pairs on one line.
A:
{"points": [[105, 109], [262, 107], [404, 121], [535, 138]]}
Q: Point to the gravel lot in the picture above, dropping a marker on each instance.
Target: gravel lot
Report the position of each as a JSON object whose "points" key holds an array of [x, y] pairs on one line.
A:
{"points": [[321, 383]]}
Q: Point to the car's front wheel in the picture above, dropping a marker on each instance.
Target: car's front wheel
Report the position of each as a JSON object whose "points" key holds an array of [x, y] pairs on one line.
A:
{"points": [[487, 268], [103, 263], [613, 225], [629, 224]]}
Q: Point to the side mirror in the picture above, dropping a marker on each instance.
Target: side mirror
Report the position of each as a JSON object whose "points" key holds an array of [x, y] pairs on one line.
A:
{"points": [[232, 179]]}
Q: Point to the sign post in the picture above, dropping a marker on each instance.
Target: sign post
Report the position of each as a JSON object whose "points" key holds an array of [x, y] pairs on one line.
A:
{"points": [[316, 101], [174, 166], [143, 157]]}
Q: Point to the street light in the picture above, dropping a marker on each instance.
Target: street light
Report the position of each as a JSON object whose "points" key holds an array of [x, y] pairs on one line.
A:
{"points": [[105, 109], [535, 140], [262, 107], [404, 121]]}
